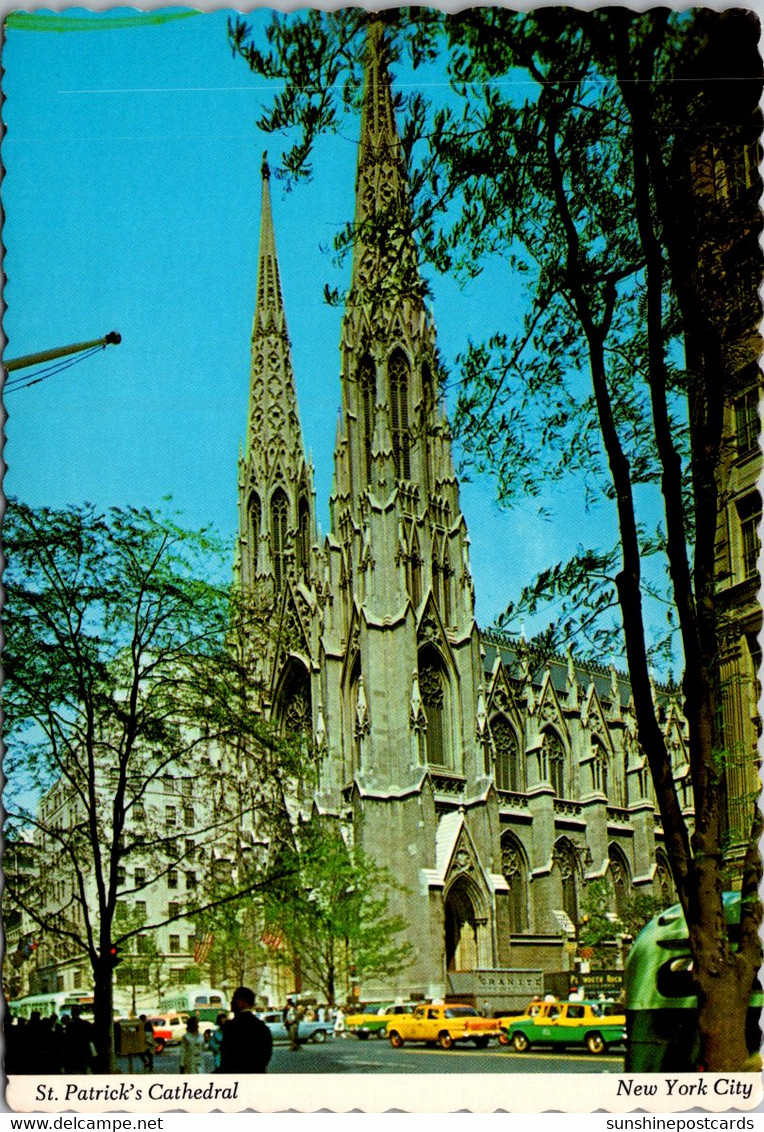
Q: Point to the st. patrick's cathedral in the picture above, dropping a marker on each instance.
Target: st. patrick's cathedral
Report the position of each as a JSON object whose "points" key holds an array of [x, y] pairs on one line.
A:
{"points": [[492, 790]]}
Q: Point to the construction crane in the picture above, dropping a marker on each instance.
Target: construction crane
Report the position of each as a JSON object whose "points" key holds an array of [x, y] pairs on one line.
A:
{"points": [[110, 339]]}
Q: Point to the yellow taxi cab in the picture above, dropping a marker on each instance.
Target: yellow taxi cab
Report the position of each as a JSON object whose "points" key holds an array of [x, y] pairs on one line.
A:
{"points": [[593, 1024]]}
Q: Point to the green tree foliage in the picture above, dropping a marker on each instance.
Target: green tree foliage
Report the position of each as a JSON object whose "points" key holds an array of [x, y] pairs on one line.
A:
{"points": [[571, 146], [124, 694], [331, 914]]}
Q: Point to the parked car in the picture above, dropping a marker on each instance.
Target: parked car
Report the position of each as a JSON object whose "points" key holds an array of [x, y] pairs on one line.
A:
{"points": [[376, 1019], [588, 1023], [307, 1031], [444, 1024], [168, 1029]]}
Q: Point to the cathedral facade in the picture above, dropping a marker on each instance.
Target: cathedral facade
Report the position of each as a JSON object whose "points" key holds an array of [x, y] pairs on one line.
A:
{"points": [[493, 785]]}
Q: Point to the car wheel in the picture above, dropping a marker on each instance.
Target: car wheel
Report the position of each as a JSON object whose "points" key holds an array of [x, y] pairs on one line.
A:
{"points": [[363, 1035], [503, 1039], [319, 1036], [445, 1041], [520, 1042], [481, 1043], [396, 1041], [595, 1043], [158, 1045]]}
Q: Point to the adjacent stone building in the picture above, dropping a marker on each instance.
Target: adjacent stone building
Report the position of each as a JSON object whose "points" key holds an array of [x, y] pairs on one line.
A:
{"points": [[491, 785]]}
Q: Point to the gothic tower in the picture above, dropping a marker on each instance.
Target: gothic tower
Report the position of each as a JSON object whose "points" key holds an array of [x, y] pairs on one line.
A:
{"points": [[401, 679], [277, 505], [276, 498]]}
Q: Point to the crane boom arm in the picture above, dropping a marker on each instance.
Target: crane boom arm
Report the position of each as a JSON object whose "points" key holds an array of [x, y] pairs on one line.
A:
{"points": [[110, 339]]}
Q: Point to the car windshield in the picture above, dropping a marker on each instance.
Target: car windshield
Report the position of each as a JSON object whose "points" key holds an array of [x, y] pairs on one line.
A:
{"points": [[461, 1012]]}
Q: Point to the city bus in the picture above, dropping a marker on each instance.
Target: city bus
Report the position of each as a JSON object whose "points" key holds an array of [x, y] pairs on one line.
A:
{"points": [[59, 1003], [204, 1002]]}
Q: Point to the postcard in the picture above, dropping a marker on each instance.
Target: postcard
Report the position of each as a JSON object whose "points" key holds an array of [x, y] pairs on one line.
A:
{"points": [[382, 559]]}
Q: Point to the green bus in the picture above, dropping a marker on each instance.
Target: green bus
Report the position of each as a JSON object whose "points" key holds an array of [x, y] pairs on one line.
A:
{"points": [[661, 999]]}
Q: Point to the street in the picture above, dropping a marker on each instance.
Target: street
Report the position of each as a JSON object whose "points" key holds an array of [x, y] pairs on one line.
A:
{"points": [[375, 1056]]}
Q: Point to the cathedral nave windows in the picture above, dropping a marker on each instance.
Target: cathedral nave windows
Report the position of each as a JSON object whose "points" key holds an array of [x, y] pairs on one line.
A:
{"points": [[554, 762], [507, 750], [515, 871], [303, 537]]}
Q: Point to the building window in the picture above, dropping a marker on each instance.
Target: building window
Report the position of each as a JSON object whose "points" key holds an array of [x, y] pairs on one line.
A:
{"points": [[367, 386], [507, 754], [599, 767], [121, 876], [190, 881], [398, 372], [279, 516], [749, 516], [190, 848], [143, 944], [555, 758], [173, 910], [189, 816], [140, 877], [170, 816], [432, 689], [141, 910], [172, 879], [415, 572], [515, 873], [566, 864], [747, 422], [174, 945], [76, 979], [255, 513], [139, 812]]}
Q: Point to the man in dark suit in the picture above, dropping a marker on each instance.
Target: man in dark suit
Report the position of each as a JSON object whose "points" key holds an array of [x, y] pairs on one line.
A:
{"points": [[247, 1042]]}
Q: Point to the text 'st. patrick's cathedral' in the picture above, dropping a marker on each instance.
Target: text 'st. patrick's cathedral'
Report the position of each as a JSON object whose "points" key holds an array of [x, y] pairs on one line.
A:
{"points": [[490, 791]]}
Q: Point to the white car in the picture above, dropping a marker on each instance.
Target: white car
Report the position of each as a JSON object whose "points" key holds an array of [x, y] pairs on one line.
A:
{"points": [[168, 1029]]}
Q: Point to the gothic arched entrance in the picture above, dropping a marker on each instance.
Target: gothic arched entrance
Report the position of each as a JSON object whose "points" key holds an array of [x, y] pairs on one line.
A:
{"points": [[465, 928]]}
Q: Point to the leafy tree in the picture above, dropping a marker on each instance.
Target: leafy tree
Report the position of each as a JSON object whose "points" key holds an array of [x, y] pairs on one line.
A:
{"points": [[123, 683], [565, 148], [332, 913]]}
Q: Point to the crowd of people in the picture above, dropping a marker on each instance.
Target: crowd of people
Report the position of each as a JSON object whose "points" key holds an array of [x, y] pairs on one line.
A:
{"points": [[239, 1043], [48, 1045]]}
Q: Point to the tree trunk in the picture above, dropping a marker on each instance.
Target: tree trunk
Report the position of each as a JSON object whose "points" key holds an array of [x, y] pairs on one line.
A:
{"points": [[723, 1005], [103, 1020]]}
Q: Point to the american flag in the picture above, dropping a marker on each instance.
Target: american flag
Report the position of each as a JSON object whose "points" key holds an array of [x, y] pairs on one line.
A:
{"points": [[272, 940], [202, 947]]}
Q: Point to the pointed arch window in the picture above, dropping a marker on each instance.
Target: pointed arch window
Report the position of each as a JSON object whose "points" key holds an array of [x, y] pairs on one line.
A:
{"points": [[599, 767], [446, 572], [303, 544], [621, 880], [367, 385], [555, 755], [279, 518], [507, 754], [433, 688], [515, 871], [415, 572], [398, 372], [567, 866], [255, 513]]}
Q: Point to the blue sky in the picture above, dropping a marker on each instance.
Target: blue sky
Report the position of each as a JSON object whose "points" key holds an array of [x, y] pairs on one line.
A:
{"points": [[132, 198]]}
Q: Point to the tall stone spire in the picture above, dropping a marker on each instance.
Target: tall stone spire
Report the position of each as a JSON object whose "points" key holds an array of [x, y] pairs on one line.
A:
{"points": [[384, 252], [275, 484]]}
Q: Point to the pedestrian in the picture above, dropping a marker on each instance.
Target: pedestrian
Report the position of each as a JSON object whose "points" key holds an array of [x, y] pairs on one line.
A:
{"points": [[148, 1055], [321, 1014], [192, 1048], [339, 1023], [292, 1023], [575, 995], [215, 1040], [78, 1055], [247, 1042]]}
